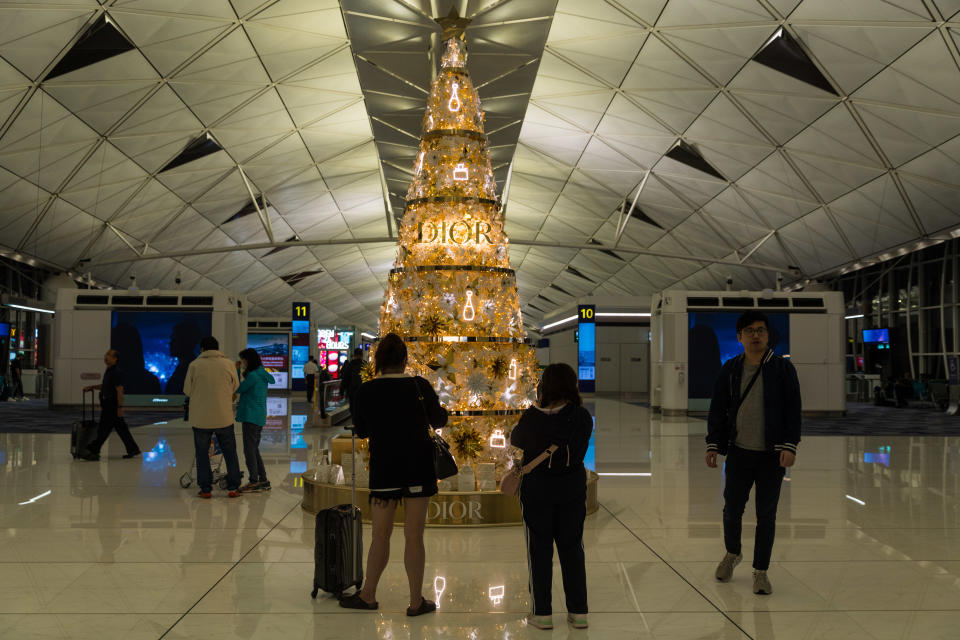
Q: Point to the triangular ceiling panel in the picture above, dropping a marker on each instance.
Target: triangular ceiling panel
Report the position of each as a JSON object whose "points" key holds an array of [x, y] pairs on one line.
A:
{"points": [[916, 80], [874, 217], [32, 37], [905, 134], [658, 67], [948, 8], [886, 11], [704, 12], [836, 135], [781, 117], [723, 121], [941, 164], [937, 205], [170, 42], [852, 54], [722, 51], [831, 178], [315, 99], [813, 240]]}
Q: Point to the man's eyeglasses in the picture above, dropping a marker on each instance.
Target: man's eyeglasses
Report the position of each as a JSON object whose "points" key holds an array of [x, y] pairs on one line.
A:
{"points": [[755, 331]]}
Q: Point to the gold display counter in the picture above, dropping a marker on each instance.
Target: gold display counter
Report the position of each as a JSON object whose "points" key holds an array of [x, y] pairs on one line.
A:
{"points": [[447, 509]]}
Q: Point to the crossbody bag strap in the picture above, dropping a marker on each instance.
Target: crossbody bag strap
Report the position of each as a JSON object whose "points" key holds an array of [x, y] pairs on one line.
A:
{"points": [[746, 391], [426, 416], [530, 466]]}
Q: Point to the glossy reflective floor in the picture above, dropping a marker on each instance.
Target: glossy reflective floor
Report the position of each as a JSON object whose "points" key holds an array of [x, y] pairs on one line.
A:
{"points": [[868, 546]]}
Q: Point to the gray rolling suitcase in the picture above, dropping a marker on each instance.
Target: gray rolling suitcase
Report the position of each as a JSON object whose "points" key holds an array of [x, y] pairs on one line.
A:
{"points": [[338, 551], [84, 432]]}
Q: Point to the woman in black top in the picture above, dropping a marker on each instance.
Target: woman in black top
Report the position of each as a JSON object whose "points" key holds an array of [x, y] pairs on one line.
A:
{"points": [[395, 410], [554, 493]]}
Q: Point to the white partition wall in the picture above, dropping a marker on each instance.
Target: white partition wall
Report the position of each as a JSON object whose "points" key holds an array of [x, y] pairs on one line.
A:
{"points": [[810, 324], [623, 342], [82, 334]]}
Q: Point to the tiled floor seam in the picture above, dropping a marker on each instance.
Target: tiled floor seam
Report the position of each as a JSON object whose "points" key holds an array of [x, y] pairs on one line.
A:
{"points": [[234, 566], [679, 575]]}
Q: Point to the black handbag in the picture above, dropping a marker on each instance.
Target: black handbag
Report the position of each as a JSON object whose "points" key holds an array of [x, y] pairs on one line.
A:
{"points": [[444, 463]]}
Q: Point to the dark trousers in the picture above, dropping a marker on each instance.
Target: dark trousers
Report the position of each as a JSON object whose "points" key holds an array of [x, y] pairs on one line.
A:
{"points": [[228, 446], [743, 470], [251, 452], [110, 421], [311, 381], [17, 387], [554, 509]]}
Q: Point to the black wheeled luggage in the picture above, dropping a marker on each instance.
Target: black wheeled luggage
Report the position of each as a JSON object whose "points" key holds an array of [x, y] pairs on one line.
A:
{"points": [[338, 554], [84, 432], [338, 558]]}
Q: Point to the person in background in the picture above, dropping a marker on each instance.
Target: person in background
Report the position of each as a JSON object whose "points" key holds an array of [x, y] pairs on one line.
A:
{"points": [[903, 389], [322, 378], [396, 412], [210, 383], [754, 421], [310, 371], [252, 414], [111, 410], [554, 494], [350, 379], [16, 372]]}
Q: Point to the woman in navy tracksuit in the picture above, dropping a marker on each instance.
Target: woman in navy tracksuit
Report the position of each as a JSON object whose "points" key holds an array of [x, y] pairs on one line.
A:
{"points": [[553, 495]]}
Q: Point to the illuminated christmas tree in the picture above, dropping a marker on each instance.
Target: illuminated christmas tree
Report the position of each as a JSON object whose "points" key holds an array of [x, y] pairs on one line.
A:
{"points": [[452, 294]]}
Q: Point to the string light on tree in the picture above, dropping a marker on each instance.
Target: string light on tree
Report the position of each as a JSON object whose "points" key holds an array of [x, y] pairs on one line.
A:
{"points": [[469, 313], [452, 294], [454, 103]]}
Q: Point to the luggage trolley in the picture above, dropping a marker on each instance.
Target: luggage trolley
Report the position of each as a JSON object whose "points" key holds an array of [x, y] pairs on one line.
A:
{"points": [[216, 466]]}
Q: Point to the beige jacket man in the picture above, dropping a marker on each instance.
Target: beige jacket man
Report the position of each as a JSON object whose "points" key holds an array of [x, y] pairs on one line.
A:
{"points": [[210, 384]]}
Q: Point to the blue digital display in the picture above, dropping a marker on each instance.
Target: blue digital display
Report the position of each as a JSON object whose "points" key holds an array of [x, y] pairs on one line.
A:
{"points": [[587, 352], [300, 326], [876, 335], [587, 348]]}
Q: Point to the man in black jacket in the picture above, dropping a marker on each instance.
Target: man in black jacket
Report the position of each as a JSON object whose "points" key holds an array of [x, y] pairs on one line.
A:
{"points": [[350, 379], [755, 421], [111, 410]]}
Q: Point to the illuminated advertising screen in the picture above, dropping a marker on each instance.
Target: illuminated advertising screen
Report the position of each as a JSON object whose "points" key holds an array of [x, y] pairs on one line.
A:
{"points": [[876, 336], [300, 343], [587, 348], [274, 351], [333, 348], [156, 347]]}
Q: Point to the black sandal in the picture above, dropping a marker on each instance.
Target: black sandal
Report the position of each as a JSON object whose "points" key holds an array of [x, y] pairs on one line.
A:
{"points": [[426, 606], [356, 602]]}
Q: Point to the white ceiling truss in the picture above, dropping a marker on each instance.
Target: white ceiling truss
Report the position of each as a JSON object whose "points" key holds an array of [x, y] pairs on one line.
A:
{"points": [[316, 106]]}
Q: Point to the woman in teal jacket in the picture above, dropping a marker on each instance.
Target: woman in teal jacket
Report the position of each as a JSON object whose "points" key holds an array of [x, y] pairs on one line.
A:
{"points": [[252, 413]]}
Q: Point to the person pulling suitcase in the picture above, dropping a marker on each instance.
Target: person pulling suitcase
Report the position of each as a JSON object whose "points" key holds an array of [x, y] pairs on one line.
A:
{"points": [[84, 432], [111, 410]]}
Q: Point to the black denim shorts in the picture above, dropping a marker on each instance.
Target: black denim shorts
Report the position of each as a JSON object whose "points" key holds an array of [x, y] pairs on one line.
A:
{"points": [[397, 495]]}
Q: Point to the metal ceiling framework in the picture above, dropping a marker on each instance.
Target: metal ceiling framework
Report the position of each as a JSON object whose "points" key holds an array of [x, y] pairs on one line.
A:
{"points": [[593, 111]]}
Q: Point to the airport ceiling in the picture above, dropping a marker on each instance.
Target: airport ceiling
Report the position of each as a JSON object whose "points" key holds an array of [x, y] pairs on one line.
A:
{"points": [[264, 145]]}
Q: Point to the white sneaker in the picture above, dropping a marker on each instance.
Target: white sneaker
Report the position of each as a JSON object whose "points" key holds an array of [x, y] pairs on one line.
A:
{"points": [[540, 622], [577, 620], [725, 568], [761, 583]]}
